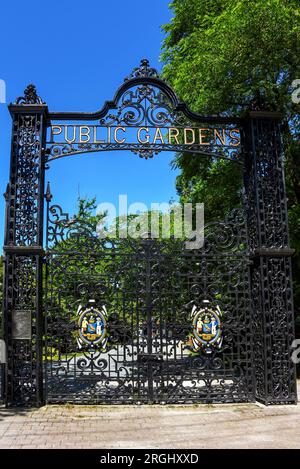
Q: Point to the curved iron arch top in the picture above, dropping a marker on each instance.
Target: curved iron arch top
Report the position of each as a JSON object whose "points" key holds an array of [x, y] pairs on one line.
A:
{"points": [[145, 116], [145, 75]]}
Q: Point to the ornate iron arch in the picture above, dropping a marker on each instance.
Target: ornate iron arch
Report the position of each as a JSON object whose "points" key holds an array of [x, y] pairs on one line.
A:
{"points": [[145, 100], [143, 75]]}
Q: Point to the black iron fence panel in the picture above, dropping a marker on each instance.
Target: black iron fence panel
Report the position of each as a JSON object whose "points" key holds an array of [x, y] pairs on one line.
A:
{"points": [[142, 321]]}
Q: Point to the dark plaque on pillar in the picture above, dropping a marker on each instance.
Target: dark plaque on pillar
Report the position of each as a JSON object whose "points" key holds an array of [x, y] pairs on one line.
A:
{"points": [[21, 324]]}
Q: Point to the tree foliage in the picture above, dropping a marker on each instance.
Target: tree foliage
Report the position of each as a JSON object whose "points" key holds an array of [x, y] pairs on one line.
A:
{"points": [[222, 57]]}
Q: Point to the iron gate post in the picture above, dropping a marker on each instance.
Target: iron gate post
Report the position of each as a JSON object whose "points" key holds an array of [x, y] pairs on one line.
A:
{"points": [[23, 249], [272, 296]]}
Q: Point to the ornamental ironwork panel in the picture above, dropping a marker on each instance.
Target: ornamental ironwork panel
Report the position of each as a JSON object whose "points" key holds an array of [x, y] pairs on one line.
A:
{"points": [[132, 321], [144, 117], [271, 274], [23, 251]]}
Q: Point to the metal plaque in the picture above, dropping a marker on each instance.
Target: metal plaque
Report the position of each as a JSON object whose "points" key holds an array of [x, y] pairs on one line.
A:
{"points": [[21, 324]]}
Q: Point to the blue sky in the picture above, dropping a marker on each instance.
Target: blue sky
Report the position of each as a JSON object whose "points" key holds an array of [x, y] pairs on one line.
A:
{"points": [[77, 54]]}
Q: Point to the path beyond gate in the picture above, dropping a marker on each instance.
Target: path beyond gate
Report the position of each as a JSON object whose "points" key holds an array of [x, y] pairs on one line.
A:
{"points": [[124, 321]]}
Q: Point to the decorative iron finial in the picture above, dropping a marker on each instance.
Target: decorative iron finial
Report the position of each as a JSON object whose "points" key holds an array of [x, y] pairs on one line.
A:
{"points": [[143, 71], [30, 96], [48, 195]]}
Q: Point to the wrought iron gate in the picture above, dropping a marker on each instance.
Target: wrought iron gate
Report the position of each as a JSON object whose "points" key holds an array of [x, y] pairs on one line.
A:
{"points": [[129, 321], [132, 321]]}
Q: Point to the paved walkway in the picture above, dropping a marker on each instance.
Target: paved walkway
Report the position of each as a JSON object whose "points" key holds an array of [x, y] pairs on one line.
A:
{"points": [[201, 426]]}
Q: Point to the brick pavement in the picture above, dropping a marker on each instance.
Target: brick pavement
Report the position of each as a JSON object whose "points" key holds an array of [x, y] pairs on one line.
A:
{"points": [[217, 426]]}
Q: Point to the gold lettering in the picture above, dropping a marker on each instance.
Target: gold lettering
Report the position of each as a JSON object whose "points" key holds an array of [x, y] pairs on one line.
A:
{"points": [[171, 131], [115, 134], [146, 129], [222, 138], [203, 136], [84, 131], [235, 138], [67, 139], [95, 136], [186, 142], [158, 136], [55, 132]]}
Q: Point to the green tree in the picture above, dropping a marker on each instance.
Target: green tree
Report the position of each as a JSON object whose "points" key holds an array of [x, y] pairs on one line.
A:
{"points": [[223, 57]]}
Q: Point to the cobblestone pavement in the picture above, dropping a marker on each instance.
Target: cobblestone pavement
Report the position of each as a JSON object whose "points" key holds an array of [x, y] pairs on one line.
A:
{"points": [[201, 426]]}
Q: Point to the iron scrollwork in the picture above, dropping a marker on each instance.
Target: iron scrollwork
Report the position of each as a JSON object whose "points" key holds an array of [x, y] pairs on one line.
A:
{"points": [[30, 96], [271, 271], [23, 252], [145, 101], [148, 289]]}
